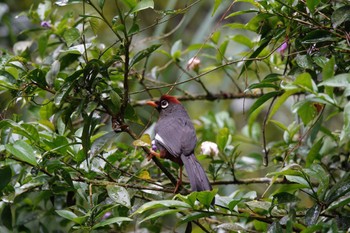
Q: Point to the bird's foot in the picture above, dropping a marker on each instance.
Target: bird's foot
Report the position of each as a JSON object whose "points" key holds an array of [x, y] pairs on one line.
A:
{"points": [[151, 154]]}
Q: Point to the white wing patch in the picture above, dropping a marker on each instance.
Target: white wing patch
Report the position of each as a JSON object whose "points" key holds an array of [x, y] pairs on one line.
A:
{"points": [[159, 139]]}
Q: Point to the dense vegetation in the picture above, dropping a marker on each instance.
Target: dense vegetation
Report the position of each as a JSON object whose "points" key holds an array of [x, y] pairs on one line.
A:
{"points": [[267, 82]]}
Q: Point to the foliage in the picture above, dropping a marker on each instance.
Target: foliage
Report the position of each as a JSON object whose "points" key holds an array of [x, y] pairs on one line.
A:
{"points": [[73, 142]]}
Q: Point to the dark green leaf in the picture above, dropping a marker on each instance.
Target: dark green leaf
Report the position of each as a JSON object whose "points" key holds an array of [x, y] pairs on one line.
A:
{"points": [[144, 53], [275, 228], [255, 54], [259, 102], [284, 198], [314, 153], [340, 15], [6, 175], [339, 189], [312, 4], [312, 215]]}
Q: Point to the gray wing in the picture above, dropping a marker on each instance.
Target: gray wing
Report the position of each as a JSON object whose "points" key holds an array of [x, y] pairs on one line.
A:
{"points": [[177, 135]]}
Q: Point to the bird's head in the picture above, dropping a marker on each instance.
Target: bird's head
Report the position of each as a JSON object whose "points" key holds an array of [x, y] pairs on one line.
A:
{"points": [[166, 102]]}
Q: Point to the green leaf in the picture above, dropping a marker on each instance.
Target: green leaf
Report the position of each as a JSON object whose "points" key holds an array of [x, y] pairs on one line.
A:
{"points": [[304, 81], [328, 73], [312, 4], [144, 53], [231, 227], [298, 179], [318, 172], [275, 228], [340, 15], [261, 100], [284, 198], [339, 189], [312, 215], [22, 151], [189, 199], [110, 221], [71, 35], [130, 3], [314, 153], [340, 80], [217, 3], [241, 39], [304, 61], [6, 175], [101, 3], [255, 54], [341, 202], [222, 138], [193, 216], [307, 111], [159, 214], [345, 133], [145, 140], [176, 50], [66, 214], [206, 197], [102, 143], [142, 5], [280, 101], [119, 195], [159, 204]]}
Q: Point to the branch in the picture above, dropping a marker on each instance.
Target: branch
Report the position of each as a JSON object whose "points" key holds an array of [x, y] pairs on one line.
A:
{"points": [[212, 97]]}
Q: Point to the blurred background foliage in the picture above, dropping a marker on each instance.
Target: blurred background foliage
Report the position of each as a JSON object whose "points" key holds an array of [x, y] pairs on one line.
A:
{"points": [[265, 82]]}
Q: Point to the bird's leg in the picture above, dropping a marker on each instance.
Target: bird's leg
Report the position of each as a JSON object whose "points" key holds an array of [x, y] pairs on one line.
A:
{"points": [[179, 181]]}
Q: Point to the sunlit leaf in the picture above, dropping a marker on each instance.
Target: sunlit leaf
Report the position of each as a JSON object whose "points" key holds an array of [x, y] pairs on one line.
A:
{"points": [[158, 204], [119, 195], [142, 5], [110, 221], [22, 151]]}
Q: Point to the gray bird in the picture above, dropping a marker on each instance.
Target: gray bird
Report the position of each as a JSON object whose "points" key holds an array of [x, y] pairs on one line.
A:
{"points": [[175, 138]]}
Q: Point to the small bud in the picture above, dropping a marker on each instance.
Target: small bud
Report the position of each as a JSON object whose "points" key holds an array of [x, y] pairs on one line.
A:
{"points": [[282, 48], [193, 64], [209, 148], [154, 147], [46, 24]]}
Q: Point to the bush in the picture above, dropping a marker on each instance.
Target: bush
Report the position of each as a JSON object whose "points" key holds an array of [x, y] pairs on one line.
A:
{"points": [[266, 81]]}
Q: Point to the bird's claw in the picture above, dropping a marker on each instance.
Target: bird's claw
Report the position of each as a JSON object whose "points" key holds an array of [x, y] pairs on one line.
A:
{"points": [[151, 154]]}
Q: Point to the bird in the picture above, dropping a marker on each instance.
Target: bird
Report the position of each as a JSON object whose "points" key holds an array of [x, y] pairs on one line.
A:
{"points": [[175, 139]]}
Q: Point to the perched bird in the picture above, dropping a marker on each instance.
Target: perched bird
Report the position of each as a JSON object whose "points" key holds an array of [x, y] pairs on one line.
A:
{"points": [[175, 138]]}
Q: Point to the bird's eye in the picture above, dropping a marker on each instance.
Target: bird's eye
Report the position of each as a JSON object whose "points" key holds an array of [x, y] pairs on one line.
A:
{"points": [[164, 104]]}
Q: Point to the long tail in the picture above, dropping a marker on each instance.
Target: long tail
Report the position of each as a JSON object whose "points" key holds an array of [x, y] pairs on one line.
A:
{"points": [[198, 179]]}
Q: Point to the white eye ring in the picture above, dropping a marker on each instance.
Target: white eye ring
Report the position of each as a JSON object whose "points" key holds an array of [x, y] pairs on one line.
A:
{"points": [[164, 104]]}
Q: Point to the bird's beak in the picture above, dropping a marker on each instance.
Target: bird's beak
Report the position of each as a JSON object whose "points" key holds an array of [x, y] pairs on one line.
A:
{"points": [[152, 103]]}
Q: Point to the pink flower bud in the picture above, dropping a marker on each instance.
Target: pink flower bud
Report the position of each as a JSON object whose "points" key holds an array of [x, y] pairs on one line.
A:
{"points": [[193, 64]]}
